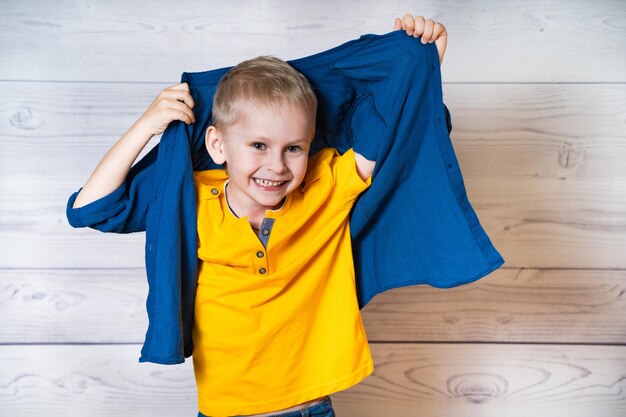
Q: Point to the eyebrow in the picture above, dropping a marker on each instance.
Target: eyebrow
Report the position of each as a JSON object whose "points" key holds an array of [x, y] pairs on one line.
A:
{"points": [[304, 140]]}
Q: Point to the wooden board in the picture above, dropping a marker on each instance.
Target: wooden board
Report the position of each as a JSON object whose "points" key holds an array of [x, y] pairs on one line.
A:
{"points": [[429, 380], [526, 41], [537, 95], [510, 305]]}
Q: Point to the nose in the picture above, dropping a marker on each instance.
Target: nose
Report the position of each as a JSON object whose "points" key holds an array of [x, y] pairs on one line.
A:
{"points": [[276, 163]]}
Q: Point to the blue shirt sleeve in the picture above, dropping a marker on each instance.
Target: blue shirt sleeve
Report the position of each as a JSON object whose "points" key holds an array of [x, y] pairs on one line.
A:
{"points": [[125, 209]]}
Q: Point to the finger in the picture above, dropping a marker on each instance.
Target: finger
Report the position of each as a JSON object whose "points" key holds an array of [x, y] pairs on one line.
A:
{"points": [[179, 86], [419, 26], [438, 30], [182, 116], [441, 42], [181, 107], [427, 36], [397, 24], [408, 24], [181, 95]]}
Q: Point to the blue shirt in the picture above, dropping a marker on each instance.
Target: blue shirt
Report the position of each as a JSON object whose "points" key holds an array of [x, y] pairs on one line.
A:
{"points": [[381, 95]]}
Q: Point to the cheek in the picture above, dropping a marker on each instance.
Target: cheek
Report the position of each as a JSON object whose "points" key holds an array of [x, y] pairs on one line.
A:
{"points": [[300, 167], [248, 163]]}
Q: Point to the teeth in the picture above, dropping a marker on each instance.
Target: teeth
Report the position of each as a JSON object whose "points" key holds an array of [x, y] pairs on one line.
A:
{"points": [[268, 183]]}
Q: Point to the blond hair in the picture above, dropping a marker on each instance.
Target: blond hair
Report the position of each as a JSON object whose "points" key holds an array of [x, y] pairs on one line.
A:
{"points": [[264, 80]]}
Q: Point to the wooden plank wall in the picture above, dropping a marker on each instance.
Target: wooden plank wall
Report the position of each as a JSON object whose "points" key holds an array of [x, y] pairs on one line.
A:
{"points": [[537, 95]]}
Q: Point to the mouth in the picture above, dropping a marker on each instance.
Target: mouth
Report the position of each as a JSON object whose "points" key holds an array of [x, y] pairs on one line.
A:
{"points": [[269, 185]]}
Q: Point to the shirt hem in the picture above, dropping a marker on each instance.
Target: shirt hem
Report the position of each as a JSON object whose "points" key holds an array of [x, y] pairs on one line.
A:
{"points": [[299, 398], [169, 360]]}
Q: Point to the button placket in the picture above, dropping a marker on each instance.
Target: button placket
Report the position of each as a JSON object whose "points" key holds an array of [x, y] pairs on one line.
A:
{"points": [[261, 263]]}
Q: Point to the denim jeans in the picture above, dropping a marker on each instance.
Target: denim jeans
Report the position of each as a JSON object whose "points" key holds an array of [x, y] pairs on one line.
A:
{"points": [[321, 409]]}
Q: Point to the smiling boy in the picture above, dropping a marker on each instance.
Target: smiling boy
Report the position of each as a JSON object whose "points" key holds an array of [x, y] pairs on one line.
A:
{"points": [[277, 327], [276, 322]]}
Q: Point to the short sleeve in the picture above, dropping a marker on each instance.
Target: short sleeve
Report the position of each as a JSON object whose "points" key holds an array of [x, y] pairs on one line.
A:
{"points": [[348, 184]]}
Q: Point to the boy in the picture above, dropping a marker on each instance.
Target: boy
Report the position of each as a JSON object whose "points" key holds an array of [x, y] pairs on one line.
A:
{"points": [[286, 326]]}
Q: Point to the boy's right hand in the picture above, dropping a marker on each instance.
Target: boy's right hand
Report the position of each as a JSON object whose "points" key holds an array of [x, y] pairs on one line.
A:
{"points": [[173, 103]]}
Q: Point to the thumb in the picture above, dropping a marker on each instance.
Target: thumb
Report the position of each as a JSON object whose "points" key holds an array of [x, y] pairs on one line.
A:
{"points": [[441, 42]]}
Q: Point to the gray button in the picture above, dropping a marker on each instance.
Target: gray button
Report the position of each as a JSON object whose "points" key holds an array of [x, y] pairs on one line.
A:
{"points": [[259, 254], [214, 191], [262, 271], [266, 232]]}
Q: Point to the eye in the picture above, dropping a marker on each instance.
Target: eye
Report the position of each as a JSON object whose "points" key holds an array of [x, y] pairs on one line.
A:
{"points": [[258, 145], [293, 148]]}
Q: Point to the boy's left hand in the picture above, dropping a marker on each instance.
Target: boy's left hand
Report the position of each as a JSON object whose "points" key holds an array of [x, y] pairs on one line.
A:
{"points": [[429, 30]]}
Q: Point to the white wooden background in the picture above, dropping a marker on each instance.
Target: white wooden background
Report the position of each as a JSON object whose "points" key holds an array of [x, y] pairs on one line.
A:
{"points": [[538, 101]]}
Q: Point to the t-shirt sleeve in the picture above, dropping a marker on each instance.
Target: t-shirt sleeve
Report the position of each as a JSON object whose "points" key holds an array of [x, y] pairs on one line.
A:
{"points": [[348, 184]]}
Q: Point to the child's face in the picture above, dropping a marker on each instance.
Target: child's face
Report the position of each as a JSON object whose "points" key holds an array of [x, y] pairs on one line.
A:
{"points": [[263, 145]]}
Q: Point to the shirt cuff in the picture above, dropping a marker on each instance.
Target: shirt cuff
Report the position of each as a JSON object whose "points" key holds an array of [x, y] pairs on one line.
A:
{"points": [[96, 211]]}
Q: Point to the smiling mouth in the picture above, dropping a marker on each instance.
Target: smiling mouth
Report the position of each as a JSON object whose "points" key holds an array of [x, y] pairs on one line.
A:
{"points": [[265, 183]]}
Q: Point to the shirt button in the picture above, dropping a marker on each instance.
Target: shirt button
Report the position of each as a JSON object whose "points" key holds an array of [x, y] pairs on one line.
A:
{"points": [[214, 191], [259, 254], [266, 232], [262, 271]]}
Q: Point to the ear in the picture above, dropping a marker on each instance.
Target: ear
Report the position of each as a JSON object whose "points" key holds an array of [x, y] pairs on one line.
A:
{"points": [[215, 145]]}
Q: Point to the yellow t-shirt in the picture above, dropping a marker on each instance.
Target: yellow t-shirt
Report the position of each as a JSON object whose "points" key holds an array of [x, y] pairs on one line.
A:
{"points": [[278, 324]]}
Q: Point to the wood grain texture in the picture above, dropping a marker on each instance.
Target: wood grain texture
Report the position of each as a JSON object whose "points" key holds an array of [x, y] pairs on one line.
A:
{"points": [[94, 380], [431, 380], [510, 305], [73, 306], [538, 102], [526, 41], [463, 380]]}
